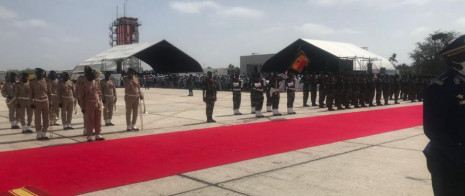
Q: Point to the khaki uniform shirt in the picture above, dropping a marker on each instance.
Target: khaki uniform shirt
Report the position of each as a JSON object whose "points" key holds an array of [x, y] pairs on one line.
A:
{"points": [[40, 90], [66, 91], [108, 88], [8, 89], [90, 93], [23, 90], [132, 86]]}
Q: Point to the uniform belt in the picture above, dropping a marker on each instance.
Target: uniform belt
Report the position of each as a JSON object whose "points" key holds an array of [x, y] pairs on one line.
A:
{"points": [[259, 90], [109, 95], [236, 89], [41, 100], [133, 95], [67, 97], [92, 101], [54, 94], [23, 98]]}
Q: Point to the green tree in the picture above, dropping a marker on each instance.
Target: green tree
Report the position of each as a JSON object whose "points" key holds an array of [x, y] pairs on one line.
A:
{"points": [[426, 57], [393, 59]]}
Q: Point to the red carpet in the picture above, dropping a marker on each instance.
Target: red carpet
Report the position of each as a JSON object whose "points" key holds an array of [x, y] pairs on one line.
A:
{"points": [[85, 167]]}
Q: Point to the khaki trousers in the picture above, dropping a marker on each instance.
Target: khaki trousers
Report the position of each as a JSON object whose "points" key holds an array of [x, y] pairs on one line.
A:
{"points": [[67, 110], [92, 118], [13, 112], [108, 108], [23, 110], [132, 106], [41, 113]]}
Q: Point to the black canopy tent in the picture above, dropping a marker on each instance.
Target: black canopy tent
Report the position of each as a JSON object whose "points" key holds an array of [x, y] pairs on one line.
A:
{"points": [[165, 58], [162, 56], [320, 60]]}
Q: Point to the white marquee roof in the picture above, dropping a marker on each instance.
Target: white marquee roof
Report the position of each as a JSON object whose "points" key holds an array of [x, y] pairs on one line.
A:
{"points": [[347, 50]]}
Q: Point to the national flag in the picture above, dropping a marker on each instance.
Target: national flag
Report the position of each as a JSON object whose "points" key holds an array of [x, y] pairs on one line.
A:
{"points": [[300, 62]]}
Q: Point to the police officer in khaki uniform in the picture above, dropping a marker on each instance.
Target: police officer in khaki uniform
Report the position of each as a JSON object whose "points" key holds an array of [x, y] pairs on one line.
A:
{"points": [[54, 109], [23, 91], [79, 84], [132, 94], [66, 95], [8, 91], [91, 101], [109, 98], [40, 102]]}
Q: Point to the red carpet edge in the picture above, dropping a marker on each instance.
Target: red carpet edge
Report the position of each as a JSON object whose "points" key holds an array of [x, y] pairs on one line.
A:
{"points": [[86, 167]]}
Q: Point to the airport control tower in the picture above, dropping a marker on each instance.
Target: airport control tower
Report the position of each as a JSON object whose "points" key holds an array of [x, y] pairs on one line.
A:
{"points": [[125, 30]]}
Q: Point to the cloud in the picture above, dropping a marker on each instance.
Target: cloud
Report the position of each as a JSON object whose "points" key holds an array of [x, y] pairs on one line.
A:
{"points": [[460, 21], [371, 2], [318, 29], [5, 13], [29, 23], [194, 7], [419, 31], [215, 8]]}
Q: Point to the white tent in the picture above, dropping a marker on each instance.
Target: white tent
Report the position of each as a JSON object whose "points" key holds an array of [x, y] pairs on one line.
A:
{"points": [[348, 50], [328, 56], [161, 56]]}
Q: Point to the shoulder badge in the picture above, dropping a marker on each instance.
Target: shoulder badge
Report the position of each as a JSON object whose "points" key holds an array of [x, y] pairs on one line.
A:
{"points": [[456, 81]]}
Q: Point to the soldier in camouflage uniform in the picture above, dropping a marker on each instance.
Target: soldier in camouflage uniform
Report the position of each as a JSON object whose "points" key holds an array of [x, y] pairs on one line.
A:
{"points": [[209, 95], [290, 86], [379, 89], [364, 93], [412, 90], [331, 91], [237, 87], [355, 91], [274, 90], [268, 94], [403, 88], [306, 88], [313, 88], [190, 85], [322, 90], [347, 91], [386, 90], [258, 86], [396, 85], [339, 93]]}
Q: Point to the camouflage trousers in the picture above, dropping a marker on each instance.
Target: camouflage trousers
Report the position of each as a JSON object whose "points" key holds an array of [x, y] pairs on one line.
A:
{"points": [[236, 100], [313, 96], [306, 92], [321, 98], [209, 109], [257, 100], [268, 98], [275, 100], [290, 98]]}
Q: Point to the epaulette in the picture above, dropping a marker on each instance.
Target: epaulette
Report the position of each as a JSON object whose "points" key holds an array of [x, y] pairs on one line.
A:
{"points": [[440, 80]]}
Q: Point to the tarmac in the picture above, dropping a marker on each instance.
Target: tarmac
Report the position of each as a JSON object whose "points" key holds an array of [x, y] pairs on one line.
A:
{"points": [[391, 163]]}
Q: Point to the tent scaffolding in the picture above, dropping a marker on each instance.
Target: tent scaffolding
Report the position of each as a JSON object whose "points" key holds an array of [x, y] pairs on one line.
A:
{"points": [[360, 64]]}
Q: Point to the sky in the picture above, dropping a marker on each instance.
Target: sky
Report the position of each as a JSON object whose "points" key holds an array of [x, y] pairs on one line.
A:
{"points": [[59, 34]]}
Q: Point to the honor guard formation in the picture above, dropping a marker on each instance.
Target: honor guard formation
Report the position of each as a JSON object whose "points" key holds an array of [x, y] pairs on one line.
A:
{"points": [[46, 96]]}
